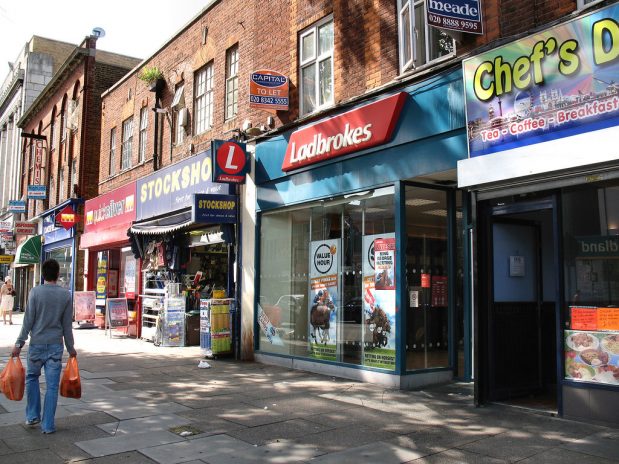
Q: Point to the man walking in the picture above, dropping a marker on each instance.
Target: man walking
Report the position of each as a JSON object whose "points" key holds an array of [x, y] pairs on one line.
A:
{"points": [[48, 320]]}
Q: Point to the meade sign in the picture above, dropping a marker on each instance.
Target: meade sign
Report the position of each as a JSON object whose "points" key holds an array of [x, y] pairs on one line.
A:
{"points": [[355, 130]]}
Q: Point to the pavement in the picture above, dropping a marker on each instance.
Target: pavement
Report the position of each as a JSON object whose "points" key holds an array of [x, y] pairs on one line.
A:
{"points": [[146, 404]]}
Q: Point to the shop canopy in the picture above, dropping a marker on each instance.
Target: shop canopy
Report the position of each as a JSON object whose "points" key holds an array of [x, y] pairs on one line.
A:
{"points": [[29, 252], [164, 225]]}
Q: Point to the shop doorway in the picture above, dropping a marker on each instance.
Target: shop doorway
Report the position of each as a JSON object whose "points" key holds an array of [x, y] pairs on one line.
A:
{"points": [[520, 315]]}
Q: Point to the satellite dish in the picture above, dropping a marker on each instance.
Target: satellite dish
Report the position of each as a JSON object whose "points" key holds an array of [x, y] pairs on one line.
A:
{"points": [[98, 32]]}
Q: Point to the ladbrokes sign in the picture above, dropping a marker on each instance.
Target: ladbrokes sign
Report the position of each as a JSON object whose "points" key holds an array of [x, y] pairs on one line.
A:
{"points": [[361, 128]]}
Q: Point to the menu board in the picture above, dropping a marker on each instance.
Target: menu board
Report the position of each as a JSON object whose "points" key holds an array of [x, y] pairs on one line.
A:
{"points": [[594, 318], [592, 357]]}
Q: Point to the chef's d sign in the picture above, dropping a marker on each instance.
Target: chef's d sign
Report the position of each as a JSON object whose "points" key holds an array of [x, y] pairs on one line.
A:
{"points": [[355, 130], [231, 161]]}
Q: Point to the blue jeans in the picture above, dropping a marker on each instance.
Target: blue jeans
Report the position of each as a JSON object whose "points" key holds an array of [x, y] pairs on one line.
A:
{"points": [[49, 357]]}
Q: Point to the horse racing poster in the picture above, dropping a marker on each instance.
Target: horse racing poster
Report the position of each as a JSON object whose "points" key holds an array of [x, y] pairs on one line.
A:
{"points": [[379, 301], [323, 298]]}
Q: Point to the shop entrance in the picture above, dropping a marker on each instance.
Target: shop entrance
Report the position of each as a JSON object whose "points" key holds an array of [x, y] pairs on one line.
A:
{"points": [[519, 303]]}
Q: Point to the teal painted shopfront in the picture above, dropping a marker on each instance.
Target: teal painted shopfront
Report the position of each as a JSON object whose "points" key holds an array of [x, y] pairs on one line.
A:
{"points": [[359, 257]]}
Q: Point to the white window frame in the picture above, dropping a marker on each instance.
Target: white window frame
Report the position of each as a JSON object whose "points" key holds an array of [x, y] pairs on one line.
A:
{"points": [[52, 191], [581, 4], [73, 173], [412, 34], [61, 196], [231, 107], [112, 151], [127, 144], [204, 98], [143, 134], [316, 59]]}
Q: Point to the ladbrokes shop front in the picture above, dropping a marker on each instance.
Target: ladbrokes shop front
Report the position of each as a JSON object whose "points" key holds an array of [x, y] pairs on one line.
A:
{"points": [[543, 121], [359, 258]]}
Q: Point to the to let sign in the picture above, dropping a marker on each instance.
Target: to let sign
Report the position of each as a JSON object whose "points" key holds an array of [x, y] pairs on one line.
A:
{"points": [[231, 162], [458, 15], [268, 90]]}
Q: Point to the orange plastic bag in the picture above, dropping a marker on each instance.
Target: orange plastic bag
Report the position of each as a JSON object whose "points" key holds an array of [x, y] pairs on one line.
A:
{"points": [[13, 380], [70, 384]]}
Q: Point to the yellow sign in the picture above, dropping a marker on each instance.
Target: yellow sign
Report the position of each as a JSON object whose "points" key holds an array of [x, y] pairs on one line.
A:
{"points": [[6, 259]]}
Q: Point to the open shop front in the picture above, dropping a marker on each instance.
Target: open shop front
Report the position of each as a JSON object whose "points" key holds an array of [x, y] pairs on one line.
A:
{"points": [[112, 269], [359, 258], [186, 241], [546, 234]]}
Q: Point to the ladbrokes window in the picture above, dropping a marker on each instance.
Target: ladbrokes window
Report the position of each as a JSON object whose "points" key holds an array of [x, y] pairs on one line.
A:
{"points": [[327, 280]]}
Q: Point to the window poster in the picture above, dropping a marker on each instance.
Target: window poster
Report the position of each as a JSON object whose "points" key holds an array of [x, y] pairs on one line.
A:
{"points": [[101, 287], [592, 356], [117, 312], [84, 306], [130, 270], [379, 301], [324, 299]]}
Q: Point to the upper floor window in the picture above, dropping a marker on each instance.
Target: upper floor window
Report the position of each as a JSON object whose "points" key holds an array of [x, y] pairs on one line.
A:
{"points": [[127, 144], [63, 120], [112, 151], [143, 133], [73, 174], [232, 81], [61, 196], [316, 62], [52, 130], [583, 3], [204, 99], [180, 113], [419, 42], [52, 191]]}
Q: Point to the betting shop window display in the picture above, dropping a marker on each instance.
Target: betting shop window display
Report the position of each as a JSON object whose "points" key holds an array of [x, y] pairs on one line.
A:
{"points": [[64, 256], [322, 293], [591, 250]]}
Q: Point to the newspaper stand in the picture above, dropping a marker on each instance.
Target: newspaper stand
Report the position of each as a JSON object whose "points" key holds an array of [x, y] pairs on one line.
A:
{"points": [[216, 326]]}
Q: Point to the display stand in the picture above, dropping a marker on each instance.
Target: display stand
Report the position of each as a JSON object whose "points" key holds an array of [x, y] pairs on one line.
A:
{"points": [[153, 297], [116, 314], [215, 327]]}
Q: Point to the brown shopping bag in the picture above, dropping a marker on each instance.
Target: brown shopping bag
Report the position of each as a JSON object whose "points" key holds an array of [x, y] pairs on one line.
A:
{"points": [[70, 384], [13, 380]]}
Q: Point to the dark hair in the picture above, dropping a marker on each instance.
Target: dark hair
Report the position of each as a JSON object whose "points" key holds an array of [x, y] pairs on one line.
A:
{"points": [[50, 270]]}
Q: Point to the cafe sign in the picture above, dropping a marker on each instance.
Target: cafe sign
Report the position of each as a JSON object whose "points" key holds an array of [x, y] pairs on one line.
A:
{"points": [[364, 127], [553, 84]]}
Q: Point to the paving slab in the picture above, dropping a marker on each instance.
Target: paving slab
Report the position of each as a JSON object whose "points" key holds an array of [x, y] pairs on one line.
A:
{"points": [[564, 456], [43, 456], [284, 452], [246, 415], [127, 408], [341, 439], [196, 449], [381, 452], [457, 457], [602, 444], [278, 431], [512, 446], [119, 444], [434, 439], [130, 457], [144, 424]]}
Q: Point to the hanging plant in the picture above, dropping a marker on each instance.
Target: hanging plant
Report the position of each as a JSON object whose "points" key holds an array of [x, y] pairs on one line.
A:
{"points": [[153, 76]]}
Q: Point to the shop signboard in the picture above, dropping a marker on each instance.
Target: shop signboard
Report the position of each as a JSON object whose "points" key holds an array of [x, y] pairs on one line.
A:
{"points": [[6, 226], [457, 15], [592, 356], [38, 161], [215, 209], [379, 301], [101, 285], [554, 84], [37, 192], [117, 312], [597, 246], [52, 233], [231, 161], [84, 306], [16, 206], [66, 218], [130, 272], [172, 188], [324, 298], [361, 128], [268, 90], [25, 228], [108, 216], [6, 259]]}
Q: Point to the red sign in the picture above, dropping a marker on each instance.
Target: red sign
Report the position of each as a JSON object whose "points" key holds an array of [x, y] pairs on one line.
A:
{"points": [[361, 128], [268, 90], [425, 280], [25, 228], [66, 218], [108, 217], [38, 161], [608, 319], [230, 162], [584, 318]]}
